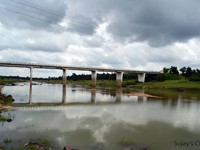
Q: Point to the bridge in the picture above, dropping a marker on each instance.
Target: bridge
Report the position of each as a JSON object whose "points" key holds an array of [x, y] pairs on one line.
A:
{"points": [[94, 70]]}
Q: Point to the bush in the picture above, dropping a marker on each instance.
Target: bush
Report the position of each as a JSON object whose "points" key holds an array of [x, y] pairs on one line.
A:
{"points": [[194, 78], [165, 76]]}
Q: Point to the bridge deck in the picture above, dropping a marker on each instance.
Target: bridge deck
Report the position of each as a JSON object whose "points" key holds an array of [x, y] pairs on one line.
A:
{"points": [[62, 67]]}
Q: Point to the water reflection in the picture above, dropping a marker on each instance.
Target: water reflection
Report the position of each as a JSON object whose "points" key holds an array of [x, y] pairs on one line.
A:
{"points": [[105, 127], [60, 94], [64, 92], [93, 95], [118, 95], [30, 93], [84, 118], [68, 95]]}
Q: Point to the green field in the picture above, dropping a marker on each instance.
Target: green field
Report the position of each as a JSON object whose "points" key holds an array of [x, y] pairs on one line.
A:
{"points": [[170, 84]]}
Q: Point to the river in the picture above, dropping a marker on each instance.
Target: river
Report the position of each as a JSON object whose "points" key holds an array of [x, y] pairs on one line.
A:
{"points": [[102, 119]]}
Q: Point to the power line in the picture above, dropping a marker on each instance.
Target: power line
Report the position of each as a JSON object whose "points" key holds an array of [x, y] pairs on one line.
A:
{"points": [[24, 9], [53, 12], [21, 13], [42, 8], [34, 17]]}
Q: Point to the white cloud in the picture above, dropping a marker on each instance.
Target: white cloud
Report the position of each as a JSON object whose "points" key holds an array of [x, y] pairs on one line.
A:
{"points": [[117, 36]]}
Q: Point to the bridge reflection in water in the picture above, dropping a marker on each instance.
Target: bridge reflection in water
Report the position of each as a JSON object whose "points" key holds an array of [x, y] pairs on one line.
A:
{"points": [[118, 95]]}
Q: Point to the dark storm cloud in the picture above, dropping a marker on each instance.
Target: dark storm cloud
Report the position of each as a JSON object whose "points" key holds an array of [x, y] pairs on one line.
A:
{"points": [[158, 22], [35, 14]]}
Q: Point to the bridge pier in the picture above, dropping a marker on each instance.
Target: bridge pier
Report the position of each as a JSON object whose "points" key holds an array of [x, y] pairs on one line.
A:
{"points": [[30, 87], [31, 75], [64, 76], [94, 78], [64, 86], [141, 77], [119, 78]]}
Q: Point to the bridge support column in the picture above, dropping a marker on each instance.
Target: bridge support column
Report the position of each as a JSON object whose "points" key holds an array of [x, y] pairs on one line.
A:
{"points": [[30, 88], [64, 86], [119, 78], [94, 78], [31, 75], [141, 77], [64, 76]]}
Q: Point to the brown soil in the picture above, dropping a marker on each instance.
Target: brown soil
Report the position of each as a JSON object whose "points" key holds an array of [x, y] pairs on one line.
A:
{"points": [[2, 106], [143, 95]]}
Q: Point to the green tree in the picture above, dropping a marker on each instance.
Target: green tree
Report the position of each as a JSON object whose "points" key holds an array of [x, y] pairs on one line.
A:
{"points": [[188, 72], [174, 70], [183, 71]]}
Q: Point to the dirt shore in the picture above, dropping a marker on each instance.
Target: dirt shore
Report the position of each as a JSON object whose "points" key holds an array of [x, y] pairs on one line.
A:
{"points": [[2, 107], [143, 95]]}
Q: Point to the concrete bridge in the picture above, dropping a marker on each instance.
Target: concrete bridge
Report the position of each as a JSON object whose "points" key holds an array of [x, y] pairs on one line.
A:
{"points": [[94, 70]]}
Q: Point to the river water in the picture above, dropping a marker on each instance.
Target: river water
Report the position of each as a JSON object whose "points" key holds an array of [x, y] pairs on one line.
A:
{"points": [[102, 119]]}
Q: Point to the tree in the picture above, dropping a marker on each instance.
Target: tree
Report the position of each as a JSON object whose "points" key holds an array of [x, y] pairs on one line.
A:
{"points": [[183, 70], [188, 72], [165, 70], [174, 70]]}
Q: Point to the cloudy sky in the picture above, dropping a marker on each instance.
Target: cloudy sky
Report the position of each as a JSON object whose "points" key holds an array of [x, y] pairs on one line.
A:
{"points": [[136, 34]]}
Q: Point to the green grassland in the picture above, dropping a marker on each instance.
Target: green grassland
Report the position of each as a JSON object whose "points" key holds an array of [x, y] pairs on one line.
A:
{"points": [[170, 84]]}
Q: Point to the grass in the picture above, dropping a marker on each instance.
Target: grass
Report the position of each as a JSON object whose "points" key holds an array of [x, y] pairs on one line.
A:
{"points": [[125, 141], [7, 141], [5, 81], [170, 84], [2, 118]]}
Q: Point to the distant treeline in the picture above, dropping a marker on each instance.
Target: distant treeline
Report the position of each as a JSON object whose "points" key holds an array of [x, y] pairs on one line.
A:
{"points": [[174, 74], [76, 77], [102, 76]]}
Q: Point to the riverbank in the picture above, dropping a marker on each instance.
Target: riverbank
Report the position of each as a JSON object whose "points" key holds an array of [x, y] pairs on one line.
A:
{"points": [[4, 104], [170, 84], [5, 101]]}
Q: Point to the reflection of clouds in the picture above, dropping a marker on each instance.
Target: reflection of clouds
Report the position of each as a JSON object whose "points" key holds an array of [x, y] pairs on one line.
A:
{"points": [[109, 124], [99, 133], [27, 120], [72, 117]]}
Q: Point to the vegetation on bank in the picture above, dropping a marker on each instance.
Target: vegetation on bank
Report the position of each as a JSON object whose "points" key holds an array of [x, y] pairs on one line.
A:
{"points": [[170, 78], [4, 100], [180, 84], [11, 80]]}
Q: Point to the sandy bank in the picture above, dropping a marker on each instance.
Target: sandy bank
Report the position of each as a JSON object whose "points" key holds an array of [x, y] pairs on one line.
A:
{"points": [[143, 95]]}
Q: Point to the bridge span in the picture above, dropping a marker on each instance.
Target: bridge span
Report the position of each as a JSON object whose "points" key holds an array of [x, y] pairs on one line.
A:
{"points": [[94, 70]]}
